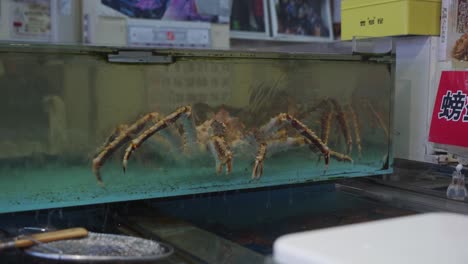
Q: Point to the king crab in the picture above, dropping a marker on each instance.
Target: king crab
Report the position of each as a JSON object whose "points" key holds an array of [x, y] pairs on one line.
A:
{"points": [[222, 135]]}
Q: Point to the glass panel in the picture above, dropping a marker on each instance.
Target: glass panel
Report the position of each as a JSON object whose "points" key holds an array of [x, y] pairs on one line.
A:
{"points": [[58, 109]]}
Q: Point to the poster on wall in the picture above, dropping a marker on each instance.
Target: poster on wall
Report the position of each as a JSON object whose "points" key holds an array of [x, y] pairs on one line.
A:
{"points": [[250, 19], [453, 30], [175, 10], [449, 123], [301, 20], [31, 19]]}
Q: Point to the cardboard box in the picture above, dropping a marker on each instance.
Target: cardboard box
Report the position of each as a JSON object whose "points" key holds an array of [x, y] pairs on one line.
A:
{"points": [[379, 18]]}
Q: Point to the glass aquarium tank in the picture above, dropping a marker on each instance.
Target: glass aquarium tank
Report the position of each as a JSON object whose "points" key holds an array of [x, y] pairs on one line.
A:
{"points": [[88, 125]]}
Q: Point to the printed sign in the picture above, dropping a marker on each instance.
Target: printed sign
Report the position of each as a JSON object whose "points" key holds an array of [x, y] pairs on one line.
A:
{"points": [[31, 18], [169, 36], [449, 123]]}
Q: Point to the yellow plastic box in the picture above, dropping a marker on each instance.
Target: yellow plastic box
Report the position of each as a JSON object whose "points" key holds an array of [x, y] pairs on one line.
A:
{"points": [[380, 18]]}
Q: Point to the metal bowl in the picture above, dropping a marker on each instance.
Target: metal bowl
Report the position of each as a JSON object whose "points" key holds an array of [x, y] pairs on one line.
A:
{"points": [[98, 247]]}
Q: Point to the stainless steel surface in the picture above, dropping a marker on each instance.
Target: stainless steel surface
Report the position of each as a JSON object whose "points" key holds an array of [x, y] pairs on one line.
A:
{"points": [[240, 227], [421, 179], [325, 51], [201, 245], [99, 247], [139, 57], [404, 198]]}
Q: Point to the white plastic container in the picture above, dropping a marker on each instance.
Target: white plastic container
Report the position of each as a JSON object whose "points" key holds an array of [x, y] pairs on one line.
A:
{"points": [[425, 238]]}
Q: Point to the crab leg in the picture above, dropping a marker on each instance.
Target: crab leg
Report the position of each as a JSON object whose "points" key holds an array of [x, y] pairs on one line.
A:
{"points": [[117, 139], [275, 124], [117, 131], [171, 135], [275, 146], [169, 142], [190, 134], [272, 126], [220, 148], [284, 142], [308, 134], [340, 115], [340, 157], [357, 131], [379, 119], [281, 145], [163, 123], [258, 167], [222, 154], [325, 121]]}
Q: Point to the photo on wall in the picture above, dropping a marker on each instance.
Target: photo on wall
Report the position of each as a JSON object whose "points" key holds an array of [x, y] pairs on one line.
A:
{"points": [[250, 19], [453, 44], [301, 20]]}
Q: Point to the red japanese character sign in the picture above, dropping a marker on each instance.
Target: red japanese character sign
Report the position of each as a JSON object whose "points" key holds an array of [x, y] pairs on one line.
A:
{"points": [[449, 123]]}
